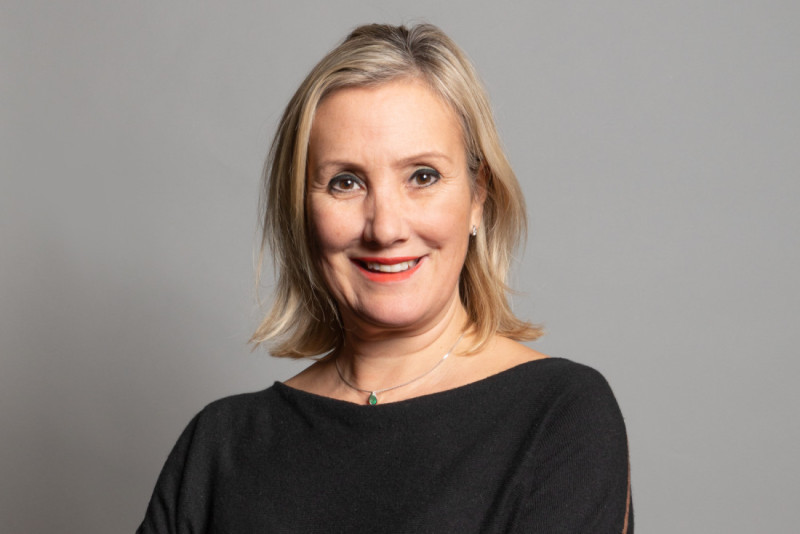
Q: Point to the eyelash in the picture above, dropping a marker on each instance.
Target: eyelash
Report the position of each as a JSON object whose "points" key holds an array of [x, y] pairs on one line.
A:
{"points": [[336, 182]]}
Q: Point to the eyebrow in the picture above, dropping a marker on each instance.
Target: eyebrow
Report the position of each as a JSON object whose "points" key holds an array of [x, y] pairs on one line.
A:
{"points": [[402, 163]]}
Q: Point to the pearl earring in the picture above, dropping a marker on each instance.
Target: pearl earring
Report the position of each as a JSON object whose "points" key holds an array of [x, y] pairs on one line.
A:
{"points": [[474, 231]]}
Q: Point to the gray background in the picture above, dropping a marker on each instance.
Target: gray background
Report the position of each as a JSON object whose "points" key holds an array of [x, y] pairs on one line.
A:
{"points": [[657, 143]]}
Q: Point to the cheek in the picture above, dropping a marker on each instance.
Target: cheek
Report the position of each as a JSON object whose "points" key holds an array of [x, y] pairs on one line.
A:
{"points": [[448, 232], [450, 218], [321, 228], [328, 230], [328, 245]]}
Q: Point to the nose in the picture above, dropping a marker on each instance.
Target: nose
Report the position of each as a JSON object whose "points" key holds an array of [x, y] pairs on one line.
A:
{"points": [[386, 221]]}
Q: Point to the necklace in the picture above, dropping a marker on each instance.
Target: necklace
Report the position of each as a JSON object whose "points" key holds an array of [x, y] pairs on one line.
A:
{"points": [[373, 393]]}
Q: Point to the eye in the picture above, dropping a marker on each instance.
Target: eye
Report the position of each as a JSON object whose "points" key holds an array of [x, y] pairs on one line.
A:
{"points": [[344, 183], [425, 177]]}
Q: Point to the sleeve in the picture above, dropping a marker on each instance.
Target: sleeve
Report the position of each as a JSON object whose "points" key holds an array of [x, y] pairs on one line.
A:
{"points": [[172, 509], [580, 462]]}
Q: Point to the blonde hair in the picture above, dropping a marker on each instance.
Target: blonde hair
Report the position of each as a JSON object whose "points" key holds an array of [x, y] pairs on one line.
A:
{"points": [[304, 319]]}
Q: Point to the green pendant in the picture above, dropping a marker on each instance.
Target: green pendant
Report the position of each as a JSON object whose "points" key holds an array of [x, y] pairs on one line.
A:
{"points": [[373, 399]]}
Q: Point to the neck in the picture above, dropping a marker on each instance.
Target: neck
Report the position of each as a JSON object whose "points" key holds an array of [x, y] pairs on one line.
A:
{"points": [[372, 359]]}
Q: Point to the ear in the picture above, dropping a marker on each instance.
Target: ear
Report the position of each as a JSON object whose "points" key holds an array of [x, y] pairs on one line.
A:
{"points": [[479, 197]]}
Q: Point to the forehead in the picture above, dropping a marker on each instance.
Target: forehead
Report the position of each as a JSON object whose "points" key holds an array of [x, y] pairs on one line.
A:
{"points": [[391, 120]]}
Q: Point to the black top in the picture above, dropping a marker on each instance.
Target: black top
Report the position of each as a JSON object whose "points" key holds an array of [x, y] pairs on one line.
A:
{"points": [[540, 447]]}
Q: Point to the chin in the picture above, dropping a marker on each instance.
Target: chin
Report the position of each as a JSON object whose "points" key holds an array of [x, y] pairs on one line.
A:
{"points": [[392, 321], [408, 314]]}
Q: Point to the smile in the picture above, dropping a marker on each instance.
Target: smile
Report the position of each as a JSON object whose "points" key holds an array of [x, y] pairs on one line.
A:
{"points": [[394, 268], [388, 269]]}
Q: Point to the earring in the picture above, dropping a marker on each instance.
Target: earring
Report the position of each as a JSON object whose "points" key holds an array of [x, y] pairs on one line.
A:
{"points": [[474, 231]]}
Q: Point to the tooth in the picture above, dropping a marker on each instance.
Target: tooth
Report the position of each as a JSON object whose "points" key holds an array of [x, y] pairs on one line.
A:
{"points": [[396, 268], [401, 267]]}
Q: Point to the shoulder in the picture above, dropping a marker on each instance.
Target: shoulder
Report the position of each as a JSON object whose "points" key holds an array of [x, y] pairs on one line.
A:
{"points": [[569, 377], [564, 394], [582, 412], [220, 427], [239, 403], [228, 417], [570, 384], [497, 357], [524, 364], [543, 381]]}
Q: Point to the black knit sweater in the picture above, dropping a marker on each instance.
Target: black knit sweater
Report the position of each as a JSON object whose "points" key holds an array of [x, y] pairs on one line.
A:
{"points": [[540, 447]]}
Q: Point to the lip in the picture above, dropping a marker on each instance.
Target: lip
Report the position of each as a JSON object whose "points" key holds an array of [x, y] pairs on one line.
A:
{"points": [[387, 277]]}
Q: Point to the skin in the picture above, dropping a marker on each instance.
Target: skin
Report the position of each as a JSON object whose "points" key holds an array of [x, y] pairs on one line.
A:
{"points": [[388, 181]]}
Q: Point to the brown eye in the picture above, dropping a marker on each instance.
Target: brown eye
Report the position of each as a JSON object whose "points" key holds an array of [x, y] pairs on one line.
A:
{"points": [[425, 177], [344, 183]]}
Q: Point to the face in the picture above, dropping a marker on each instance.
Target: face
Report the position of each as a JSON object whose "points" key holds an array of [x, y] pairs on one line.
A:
{"points": [[391, 204]]}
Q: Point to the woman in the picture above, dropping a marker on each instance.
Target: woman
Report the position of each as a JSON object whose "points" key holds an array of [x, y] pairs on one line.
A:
{"points": [[392, 213]]}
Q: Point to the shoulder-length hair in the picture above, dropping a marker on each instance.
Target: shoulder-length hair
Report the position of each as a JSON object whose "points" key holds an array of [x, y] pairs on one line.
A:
{"points": [[304, 319]]}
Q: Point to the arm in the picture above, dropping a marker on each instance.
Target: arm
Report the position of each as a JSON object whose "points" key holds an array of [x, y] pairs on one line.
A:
{"points": [[164, 513], [580, 462]]}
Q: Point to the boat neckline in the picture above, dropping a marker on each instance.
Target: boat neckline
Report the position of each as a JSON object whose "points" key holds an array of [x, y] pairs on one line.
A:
{"points": [[435, 396]]}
